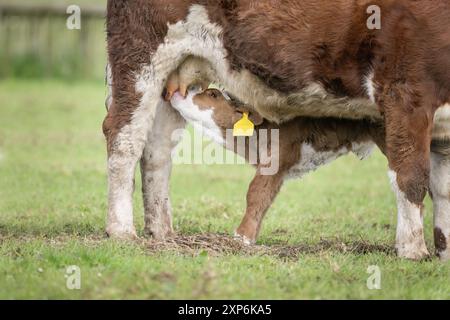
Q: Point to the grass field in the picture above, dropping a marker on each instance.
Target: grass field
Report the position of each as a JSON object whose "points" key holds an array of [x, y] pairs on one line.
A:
{"points": [[317, 242]]}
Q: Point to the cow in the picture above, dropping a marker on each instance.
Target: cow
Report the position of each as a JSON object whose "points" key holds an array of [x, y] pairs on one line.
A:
{"points": [[285, 58]]}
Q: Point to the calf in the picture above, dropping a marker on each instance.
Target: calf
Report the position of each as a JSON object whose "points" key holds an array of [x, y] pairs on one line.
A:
{"points": [[304, 145]]}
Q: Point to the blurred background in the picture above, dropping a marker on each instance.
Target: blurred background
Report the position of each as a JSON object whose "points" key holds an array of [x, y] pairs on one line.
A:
{"points": [[36, 43]]}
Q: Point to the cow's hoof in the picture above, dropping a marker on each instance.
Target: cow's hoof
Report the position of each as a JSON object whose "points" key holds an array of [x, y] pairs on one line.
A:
{"points": [[444, 256], [121, 233], [158, 234], [244, 239], [412, 251]]}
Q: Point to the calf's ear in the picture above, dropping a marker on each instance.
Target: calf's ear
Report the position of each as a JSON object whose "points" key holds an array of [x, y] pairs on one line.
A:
{"points": [[254, 116]]}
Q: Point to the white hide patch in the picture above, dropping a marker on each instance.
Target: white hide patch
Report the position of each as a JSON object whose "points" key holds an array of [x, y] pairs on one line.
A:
{"points": [[369, 86], [201, 120], [109, 84], [311, 160], [363, 150], [410, 242]]}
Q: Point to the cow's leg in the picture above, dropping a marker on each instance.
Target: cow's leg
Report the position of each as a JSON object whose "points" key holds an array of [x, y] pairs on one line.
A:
{"points": [[156, 165], [408, 139], [130, 116], [260, 195], [124, 151], [440, 192]]}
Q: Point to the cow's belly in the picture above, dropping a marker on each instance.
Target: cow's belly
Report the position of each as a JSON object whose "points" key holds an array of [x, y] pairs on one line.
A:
{"points": [[312, 101]]}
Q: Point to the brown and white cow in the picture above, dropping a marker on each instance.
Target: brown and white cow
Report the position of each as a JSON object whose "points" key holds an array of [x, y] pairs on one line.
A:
{"points": [[286, 58]]}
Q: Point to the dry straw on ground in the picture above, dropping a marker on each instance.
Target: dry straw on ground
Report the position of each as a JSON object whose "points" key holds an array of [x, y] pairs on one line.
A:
{"points": [[219, 244]]}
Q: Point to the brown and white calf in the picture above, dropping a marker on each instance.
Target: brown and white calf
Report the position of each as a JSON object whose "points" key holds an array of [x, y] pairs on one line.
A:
{"points": [[286, 58], [298, 146]]}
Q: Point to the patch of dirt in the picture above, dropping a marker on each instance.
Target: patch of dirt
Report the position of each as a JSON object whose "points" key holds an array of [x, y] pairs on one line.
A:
{"points": [[214, 244], [220, 244]]}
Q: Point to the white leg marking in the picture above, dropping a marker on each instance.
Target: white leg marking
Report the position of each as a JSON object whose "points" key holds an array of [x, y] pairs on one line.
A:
{"points": [[440, 188], [410, 241], [121, 186], [246, 241]]}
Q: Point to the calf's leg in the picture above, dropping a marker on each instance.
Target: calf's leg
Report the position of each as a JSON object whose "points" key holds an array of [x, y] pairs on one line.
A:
{"points": [[260, 196], [440, 192], [156, 166]]}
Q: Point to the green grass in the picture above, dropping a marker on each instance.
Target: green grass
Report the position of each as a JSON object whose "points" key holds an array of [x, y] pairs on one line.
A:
{"points": [[53, 207]]}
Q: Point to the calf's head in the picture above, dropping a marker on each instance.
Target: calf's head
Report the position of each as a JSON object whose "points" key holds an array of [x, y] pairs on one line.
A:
{"points": [[211, 112]]}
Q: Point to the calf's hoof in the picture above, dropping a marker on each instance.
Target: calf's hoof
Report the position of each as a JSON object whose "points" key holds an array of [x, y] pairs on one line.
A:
{"points": [[244, 239], [413, 251], [119, 232]]}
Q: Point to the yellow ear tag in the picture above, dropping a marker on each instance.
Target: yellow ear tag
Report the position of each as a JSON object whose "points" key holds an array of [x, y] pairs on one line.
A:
{"points": [[244, 127]]}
